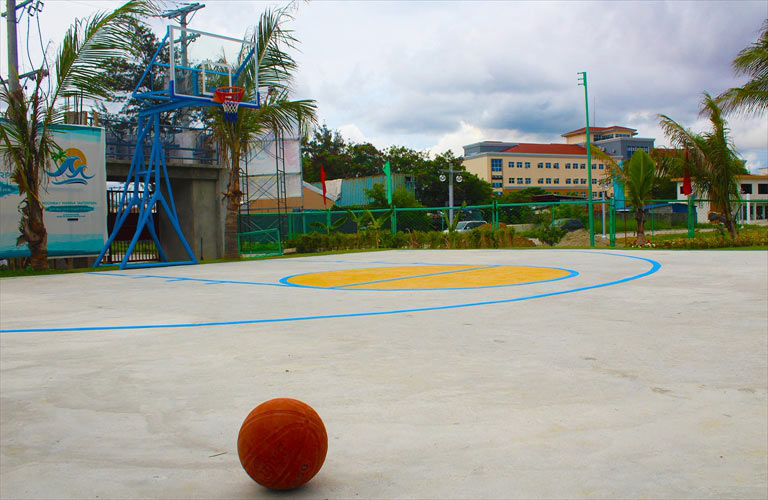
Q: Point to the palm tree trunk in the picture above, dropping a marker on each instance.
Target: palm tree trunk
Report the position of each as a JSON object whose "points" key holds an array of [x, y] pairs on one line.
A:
{"points": [[640, 218], [34, 233], [234, 196], [725, 204]]}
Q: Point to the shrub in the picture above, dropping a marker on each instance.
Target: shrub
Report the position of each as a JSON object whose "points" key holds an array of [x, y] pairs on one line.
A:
{"points": [[551, 235]]}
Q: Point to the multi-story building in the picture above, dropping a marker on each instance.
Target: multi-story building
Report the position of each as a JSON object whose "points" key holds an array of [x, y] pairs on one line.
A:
{"points": [[558, 168], [754, 197]]}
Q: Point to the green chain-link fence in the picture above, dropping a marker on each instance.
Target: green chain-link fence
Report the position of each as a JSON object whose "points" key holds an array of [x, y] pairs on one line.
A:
{"points": [[660, 215]]}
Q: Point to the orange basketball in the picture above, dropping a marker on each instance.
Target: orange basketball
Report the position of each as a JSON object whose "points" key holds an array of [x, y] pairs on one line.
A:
{"points": [[282, 443]]}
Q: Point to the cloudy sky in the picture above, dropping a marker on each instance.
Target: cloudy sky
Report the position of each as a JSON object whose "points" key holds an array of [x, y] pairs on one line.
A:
{"points": [[437, 75]]}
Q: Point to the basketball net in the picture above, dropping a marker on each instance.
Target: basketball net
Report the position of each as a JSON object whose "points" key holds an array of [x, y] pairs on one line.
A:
{"points": [[229, 97]]}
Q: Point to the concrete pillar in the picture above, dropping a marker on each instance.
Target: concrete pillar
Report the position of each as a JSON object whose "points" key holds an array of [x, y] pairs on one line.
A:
{"points": [[199, 209]]}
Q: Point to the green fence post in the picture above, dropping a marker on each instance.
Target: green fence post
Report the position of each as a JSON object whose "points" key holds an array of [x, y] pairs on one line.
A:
{"points": [[328, 218], [652, 233], [612, 222], [394, 219], [691, 218]]}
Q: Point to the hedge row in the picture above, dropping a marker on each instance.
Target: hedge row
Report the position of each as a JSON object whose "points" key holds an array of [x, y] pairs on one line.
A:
{"points": [[721, 239], [479, 238]]}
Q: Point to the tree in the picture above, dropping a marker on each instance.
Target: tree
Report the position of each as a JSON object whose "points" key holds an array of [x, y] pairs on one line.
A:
{"points": [[711, 158], [326, 149], [26, 130], [401, 197], [120, 74], [519, 214], [433, 192], [639, 178], [752, 61], [277, 114]]}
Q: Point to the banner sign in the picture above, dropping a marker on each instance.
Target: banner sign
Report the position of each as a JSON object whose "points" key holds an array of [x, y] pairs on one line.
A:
{"points": [[74, 194]]}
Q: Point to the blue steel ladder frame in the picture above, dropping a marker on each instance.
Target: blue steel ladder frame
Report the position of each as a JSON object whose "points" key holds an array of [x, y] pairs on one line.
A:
{"points": [[137, 192]]}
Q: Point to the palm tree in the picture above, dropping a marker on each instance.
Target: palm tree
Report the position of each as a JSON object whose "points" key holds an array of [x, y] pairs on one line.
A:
{"points": [[711, 158], [277, 114], [639, 176], [752, 61], [26, 130]]}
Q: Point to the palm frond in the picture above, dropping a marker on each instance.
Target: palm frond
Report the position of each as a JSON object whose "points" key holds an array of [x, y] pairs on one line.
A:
{"points": [[752, 61], [89, 43]]}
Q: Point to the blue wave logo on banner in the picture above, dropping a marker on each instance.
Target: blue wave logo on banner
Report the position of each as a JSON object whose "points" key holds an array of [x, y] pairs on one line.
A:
{"points": [[8, 189], [72, 168]]}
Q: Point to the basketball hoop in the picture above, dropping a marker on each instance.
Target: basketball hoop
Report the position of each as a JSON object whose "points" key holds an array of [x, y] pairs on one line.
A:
{"points": [[229, 98]]}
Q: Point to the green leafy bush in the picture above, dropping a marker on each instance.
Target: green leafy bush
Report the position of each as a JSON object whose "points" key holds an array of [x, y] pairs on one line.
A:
{"points": [[551, 235], [478, 238]]}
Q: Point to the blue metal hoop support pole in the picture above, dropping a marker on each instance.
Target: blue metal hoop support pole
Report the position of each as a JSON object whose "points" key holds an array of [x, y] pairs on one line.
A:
{"points": [[154, 174]]}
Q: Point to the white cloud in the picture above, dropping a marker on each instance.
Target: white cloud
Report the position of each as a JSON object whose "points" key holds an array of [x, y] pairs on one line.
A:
{"points": [[350, 132], [440, 75]]}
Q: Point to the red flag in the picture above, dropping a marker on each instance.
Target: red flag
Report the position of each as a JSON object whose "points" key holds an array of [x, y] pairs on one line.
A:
{"points": [[322, 180], [687, 178]]}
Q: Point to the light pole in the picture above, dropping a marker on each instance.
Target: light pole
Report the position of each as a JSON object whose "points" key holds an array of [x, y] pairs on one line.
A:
{"points": [[450, 177], [583, 81]]}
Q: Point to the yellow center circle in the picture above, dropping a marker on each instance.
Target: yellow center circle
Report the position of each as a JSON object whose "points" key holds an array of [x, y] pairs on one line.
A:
{"points": [[428, 277]]}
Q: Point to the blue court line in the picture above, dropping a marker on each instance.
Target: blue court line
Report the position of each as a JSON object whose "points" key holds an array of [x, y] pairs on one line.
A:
{"points": [[196, 280], [655, 266]]}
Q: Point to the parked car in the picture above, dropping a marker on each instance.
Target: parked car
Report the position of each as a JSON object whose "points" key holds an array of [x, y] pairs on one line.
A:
{"points": [[465, 226], [568, 224]]}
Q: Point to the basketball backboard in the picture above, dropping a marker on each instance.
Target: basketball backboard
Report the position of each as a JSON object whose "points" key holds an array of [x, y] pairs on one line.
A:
{"points": [[192, 64]]}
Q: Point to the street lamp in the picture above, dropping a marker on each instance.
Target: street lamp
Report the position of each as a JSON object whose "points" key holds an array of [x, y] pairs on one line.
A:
{"points": [[450, 177]]}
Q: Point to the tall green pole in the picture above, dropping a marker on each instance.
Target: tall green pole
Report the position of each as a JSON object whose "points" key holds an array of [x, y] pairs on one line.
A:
{"points": [[583, 81]]}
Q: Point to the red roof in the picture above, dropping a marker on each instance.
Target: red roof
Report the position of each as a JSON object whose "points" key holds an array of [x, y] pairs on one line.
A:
{"points": [[552, 149], [596, 129]]}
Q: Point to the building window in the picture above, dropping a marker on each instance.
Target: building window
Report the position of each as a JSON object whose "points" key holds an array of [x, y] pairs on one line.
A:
{"points": [[746, 189], [549, 165], [583, 181], [511, 164], [557, 181], [556, 165], [594, 166], [495, 165], [527, 180], [762, 189], [601, 167], [511, 180], [541, 181], [682, 189], [519, 164], [519, 180], [496, 184], [541, 165], [568, 181], [575, 181], [497, 177], [594, 181], [631, 150], [567, 165], [527, 164], [549, 180], [583, 166]]}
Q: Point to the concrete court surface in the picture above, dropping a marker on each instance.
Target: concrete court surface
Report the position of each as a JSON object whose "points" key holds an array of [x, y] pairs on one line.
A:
{"points": [[609, 374]]}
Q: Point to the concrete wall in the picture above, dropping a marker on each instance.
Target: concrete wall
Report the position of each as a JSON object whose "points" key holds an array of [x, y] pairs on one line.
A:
{"points": [[201, 211]]}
